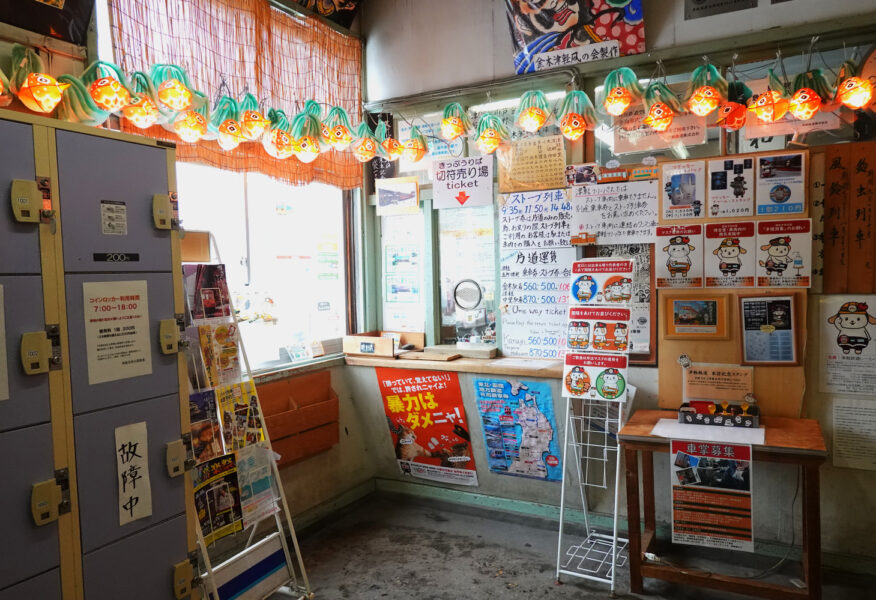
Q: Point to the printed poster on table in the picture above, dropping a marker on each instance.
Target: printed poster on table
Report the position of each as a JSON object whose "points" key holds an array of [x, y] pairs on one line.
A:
{"points": [[731, 187], [520, 429], [711, 495], [258, 499], [4, 368], [207, 442], [461, 182], [240, 415], [531, 164], [598, 281], [730, 255], [220, 351], [848, 358], [426, 419], [613, 213], [780, 184], [217, 498], [679, 256], [595, 376], [546, 35], [117, 332], [684, 190], [132, 472], [784, 253], [207, 291], [598, 329]]}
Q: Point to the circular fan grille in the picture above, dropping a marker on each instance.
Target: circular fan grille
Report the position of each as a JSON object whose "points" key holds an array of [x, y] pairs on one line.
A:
{"points": [[467, 294]]}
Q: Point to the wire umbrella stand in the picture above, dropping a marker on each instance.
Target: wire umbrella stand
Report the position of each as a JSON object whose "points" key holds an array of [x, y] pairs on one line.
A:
{"points": [[591, 441]]}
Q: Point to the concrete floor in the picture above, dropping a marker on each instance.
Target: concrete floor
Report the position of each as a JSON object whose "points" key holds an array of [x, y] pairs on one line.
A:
{"points": [[390, 547]]}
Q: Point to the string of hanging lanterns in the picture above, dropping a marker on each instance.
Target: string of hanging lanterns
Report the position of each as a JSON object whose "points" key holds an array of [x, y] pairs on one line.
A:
{"points": [[165, 96]]}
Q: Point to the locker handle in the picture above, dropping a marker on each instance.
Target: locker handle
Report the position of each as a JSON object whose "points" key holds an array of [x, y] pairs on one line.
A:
{"points": [[45, 500], [36, 352], [27, 200]]}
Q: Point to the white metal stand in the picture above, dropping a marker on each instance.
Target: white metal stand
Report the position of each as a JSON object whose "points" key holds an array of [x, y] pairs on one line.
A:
{"points": [[591, 440]]}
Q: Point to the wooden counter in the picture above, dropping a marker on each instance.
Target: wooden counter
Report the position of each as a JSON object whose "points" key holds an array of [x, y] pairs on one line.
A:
{"points": [[521, 367]]}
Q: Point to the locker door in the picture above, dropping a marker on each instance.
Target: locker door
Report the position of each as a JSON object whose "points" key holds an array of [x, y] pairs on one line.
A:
{"points": [[106, 189], [19, 242], [42, 587], [96, 469], [162, 381], [27, 549]]}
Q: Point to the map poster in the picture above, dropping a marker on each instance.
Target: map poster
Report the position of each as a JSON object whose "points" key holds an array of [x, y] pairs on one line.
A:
{"points": [[848, 359], [595, 376], [462, 182], [780, 184], [598, 329], [684, 190], [217, 498], [520, 428], [729, 253], [711, 495], [614, 213], [679, 256], [599, 281], [784, 253], [426, 420], [731, 187]]}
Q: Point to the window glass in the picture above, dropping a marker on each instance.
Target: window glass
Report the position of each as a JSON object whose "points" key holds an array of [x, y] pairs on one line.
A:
{"points": [[283, 247]]}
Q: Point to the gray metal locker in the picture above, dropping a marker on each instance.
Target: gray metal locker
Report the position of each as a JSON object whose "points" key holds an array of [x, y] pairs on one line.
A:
{"points": [[162, 381], [97, 476], [19, 242], [139, 567], [28, 549], [42, 587], [28, 402], [96, 175]]}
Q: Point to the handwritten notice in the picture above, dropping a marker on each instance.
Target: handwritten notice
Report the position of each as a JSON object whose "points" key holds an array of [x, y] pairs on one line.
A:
{"points": [[848, 358], [117, 337], [684, 190], [4, 372], [595, 376], [854, 433], [731, 187], [614, 213], [784, 251], [533, 163], [535, 220], [462, 182], [132, 468]]}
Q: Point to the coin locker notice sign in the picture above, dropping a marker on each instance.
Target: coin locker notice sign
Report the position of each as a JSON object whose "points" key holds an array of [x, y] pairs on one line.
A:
{"points": [[116, 330], [4, 370]]}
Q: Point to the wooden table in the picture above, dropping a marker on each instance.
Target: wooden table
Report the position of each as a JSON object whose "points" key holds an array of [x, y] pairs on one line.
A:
{"points": [[793, 441]]}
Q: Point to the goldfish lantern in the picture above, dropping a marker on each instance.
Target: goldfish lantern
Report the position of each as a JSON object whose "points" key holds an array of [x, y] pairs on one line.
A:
{"points": [[804, 104], [852, 91], [707, 90], [621, 89], [491, 133], [390, 148], [662, 106], [455, 122], [37, 90], [337, 129], [252, 122], [77, 105], [812, 92], [733, 113], [190, 126], [142, 113], [770, 106], [365, 145], [224, 125], [107, 86], [5, 92], [174, 90], [533, 111], [305, 132], [576, 115], [415, 147], [276, 140]]}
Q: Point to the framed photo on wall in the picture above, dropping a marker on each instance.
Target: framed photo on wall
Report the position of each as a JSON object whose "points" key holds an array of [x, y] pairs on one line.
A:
{"points": [[769, 332], [696, 317]]}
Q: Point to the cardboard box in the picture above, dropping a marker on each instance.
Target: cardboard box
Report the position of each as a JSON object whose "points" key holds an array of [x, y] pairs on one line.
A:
{"points": [[378, 343]]}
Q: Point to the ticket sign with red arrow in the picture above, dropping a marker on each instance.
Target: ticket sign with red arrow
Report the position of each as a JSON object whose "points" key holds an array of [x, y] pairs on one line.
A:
{"points": [[462, 182]]}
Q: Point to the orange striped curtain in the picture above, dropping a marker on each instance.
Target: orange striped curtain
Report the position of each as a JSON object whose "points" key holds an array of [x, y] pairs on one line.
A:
{"points": [[252, 47]]}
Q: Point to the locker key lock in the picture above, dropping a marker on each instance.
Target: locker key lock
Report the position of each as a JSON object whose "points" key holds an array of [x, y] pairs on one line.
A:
{"points": [[36, 352], [27, 200]]}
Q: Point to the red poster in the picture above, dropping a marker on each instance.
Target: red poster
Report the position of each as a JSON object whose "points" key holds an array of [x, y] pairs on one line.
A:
{"points": [[427, 421]]}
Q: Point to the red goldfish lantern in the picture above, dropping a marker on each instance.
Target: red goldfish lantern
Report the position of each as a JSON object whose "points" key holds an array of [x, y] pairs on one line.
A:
{"points": [[173, 94], [732, 115], [703, 101], [142, 114], [190, 126], [621, 90], [278, 144], [770, 106], [230, 134], [659, 117], [804, 103], [491, 133], [391, 147], [662, 105], [337, 129], [365, 145], [252, 121], [577, 115], [617, 101], [533, 112], [855, 93], [305, 132], [415, 147], [41, 92], [707, 90], [455, 122], [109, 94]]}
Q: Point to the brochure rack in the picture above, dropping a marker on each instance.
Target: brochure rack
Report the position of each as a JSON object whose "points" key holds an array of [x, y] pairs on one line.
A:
{"points": [[591, 440], [256, 562]]}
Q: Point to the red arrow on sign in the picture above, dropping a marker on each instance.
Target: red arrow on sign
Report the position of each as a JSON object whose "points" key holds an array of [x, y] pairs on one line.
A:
{"points": [[462, 197]]}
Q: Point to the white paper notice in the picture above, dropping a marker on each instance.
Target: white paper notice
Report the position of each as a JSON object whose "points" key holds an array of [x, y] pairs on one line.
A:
{"points": [[854, 433], [4, 372], [132, 464], [462, 182], [614, 213], [684, 190], [731, 187], [709, 433], [848, 359], [117, 336], [780, 179]]}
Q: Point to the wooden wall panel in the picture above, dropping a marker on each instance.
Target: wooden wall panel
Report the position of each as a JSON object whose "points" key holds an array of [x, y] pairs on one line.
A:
{"points": [[860, 228], [836, 219]]}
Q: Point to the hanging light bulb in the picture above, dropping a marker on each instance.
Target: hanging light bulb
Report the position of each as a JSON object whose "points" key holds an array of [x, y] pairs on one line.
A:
{"points": [[455, 122], [415, 147], [621, 90]]}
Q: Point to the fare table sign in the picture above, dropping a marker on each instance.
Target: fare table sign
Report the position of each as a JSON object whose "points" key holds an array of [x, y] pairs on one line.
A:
{"points": [[462, 182]]}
